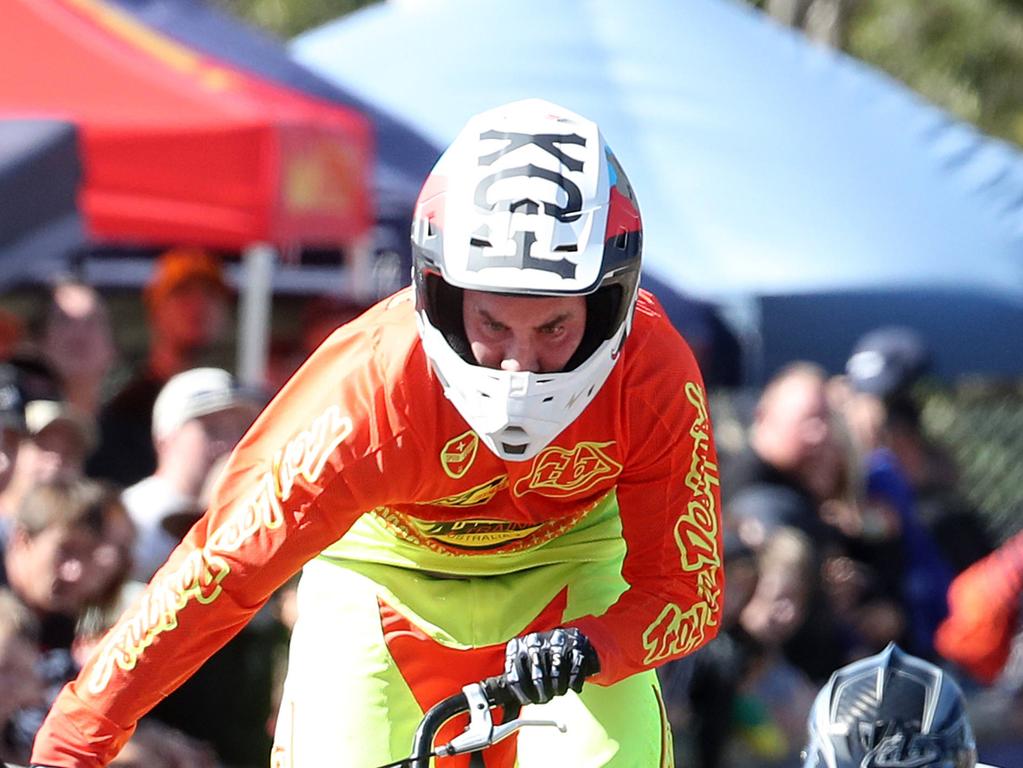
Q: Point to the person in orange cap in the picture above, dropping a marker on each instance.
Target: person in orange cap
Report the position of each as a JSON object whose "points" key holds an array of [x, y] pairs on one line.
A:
{"points": [[187, 302]]}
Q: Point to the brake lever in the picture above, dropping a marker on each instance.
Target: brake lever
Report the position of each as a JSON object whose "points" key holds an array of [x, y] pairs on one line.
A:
{"points": [[481, 731]]}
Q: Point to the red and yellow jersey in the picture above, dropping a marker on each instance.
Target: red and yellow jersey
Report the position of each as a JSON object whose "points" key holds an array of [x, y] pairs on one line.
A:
{"points": [[364, 428]]}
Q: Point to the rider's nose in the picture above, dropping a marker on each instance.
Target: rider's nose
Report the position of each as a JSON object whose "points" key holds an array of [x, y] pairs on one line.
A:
{"points": [[520, 355]]}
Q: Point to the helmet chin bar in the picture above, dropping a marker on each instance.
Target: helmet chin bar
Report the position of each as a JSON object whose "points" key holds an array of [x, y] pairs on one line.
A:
{"points": [[517, 413]]}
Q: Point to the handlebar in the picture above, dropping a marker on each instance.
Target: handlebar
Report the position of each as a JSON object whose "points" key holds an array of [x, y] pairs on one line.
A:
{"points": [[478, 699]]}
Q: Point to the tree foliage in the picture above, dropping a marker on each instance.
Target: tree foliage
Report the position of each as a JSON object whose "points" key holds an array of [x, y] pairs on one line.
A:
{"points": [[286, 18], [965, 55]]}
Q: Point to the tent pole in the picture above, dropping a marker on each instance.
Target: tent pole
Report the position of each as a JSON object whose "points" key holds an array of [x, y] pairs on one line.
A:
{"points": [[254, 315], [362, 286]]}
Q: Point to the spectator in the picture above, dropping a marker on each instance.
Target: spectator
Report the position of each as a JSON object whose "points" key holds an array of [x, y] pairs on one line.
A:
{"points": [[187, 302], [57, 440], [775, 695], [36, 377], [956, 526], [853, 613], [324, 315], [758, 510], [791, 426], [49, 564], [197, 418], [885, 367], [888, 362], [882, 369], [785, 579], [112, 589], [12, 426], [76, 339], [863, 576], [776, 481], [38, 435], [925, 574], [700, 690], [20, 684], [320, 317], [154, 745], [49, 558]]}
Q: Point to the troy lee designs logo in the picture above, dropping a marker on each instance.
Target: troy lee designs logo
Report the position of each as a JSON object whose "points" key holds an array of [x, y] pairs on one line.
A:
{"points": [[559, 472], [458, 454], [515, 198], [676, 631], [199, 575]]}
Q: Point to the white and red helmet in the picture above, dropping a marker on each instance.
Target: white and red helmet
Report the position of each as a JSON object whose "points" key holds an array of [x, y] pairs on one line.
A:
{"points": [[527, 200]]}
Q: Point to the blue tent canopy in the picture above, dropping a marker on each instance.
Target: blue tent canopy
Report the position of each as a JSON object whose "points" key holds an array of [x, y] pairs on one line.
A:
{"points": [[773, 175], [40, 172]]}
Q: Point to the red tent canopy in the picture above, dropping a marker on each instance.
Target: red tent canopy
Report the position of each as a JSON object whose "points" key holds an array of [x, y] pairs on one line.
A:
{"points": [[180, 148]]}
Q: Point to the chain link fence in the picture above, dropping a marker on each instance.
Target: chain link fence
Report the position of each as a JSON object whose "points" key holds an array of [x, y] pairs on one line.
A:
{"points": [[981, 425]]}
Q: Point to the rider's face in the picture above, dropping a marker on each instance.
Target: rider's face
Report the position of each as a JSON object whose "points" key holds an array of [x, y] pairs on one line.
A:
{"points": [[523, 333]]}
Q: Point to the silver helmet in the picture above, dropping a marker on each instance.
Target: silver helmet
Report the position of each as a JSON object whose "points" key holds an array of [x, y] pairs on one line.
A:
{"points": [[890, 710], [528, 200]]}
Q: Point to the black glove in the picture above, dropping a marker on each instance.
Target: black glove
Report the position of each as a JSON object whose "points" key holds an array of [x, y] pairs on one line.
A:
{"points": [[542, 665]]}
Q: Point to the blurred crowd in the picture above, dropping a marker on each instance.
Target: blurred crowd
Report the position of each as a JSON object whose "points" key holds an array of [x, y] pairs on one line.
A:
{"points": [[845, 528], [104, 467]]}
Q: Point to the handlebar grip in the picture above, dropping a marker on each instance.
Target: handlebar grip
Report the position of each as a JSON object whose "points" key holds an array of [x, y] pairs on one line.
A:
{"points": [[498, 691]]}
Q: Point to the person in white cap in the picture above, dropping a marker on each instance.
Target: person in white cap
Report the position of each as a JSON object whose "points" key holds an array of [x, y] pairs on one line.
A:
{"points": [[57, 440], [198, 416]]}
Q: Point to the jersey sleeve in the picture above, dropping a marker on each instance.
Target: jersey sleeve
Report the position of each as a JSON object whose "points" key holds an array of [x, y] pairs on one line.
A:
{"points": [[669, 504], [302, 475]]}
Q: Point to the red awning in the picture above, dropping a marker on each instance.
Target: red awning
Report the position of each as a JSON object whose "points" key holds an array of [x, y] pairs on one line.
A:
{"points": [[178, 147]]}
